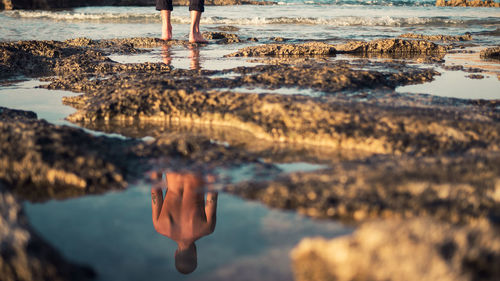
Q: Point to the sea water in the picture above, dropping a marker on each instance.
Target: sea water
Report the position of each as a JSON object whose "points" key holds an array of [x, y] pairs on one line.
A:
{"points": [[294, 19]]}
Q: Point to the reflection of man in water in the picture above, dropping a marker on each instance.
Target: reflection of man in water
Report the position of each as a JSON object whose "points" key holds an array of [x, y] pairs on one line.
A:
{"points": [[184, 216], [194, 55]]}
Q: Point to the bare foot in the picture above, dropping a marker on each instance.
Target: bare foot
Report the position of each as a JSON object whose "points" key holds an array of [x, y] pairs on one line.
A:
{"points": [[196, 37], [166, 32]]}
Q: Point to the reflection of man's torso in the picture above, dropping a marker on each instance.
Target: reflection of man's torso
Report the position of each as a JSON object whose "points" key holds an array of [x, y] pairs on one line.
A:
{"points": [[184, 216]]}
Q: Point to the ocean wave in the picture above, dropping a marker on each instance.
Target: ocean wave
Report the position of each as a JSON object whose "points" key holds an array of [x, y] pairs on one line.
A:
{"points": [[79, 16], [331, 21]]}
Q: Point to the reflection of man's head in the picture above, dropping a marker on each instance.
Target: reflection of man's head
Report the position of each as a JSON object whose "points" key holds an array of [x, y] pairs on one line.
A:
{"points": [[186, 260]]}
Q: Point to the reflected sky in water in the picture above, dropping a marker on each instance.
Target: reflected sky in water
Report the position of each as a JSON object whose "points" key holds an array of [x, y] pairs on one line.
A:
{"points": [[114, 233]]}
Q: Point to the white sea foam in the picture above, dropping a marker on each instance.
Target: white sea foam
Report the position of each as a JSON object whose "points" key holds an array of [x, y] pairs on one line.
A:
{"points": [[255, 20], [79, 16]]}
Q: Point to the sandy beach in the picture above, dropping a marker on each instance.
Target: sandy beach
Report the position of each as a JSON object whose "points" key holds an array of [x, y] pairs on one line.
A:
{"points": [[345, 141]]}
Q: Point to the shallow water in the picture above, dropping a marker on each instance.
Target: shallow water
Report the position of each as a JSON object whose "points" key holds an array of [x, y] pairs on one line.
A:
{"points": [[457, 84], [210, 57], [46, 103], [114, 234]]}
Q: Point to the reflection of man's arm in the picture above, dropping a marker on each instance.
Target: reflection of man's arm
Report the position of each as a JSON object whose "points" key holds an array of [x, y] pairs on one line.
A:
{"points": [[156, 204], [211, 209]]}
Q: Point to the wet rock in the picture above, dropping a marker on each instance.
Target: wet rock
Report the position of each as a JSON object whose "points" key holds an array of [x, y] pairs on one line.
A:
{"points": [[380, 46], [278, 39], [41, 161], [12, 114], [305, 49], [467, 3], [419, 249], [330, 77], [466, 37], [457, 189], [391, 46], [24, 254], [490, 53], [475, 76], [297, 119], [81, 55], [222, 37]]}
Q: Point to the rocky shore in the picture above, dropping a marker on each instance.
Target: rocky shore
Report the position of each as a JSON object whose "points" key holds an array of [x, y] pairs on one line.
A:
{"points": [[419, 174], [467, 3]]}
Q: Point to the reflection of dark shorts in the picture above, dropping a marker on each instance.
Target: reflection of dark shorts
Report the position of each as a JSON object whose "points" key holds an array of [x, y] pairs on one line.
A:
{"points": [[194, 5]]}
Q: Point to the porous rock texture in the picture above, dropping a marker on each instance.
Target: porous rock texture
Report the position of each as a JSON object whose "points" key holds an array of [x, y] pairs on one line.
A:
{"points": [[222, 37], [467, 3], [392, 46], [490, 53], [42, 58], [305, 49], [24, 255], [299, 119], [418, 249], [457, 189], [40, 161], [379, 46], [446, 38]]}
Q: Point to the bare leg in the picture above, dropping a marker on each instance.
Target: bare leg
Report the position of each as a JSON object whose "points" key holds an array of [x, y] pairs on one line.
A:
{"points": [[195, 34], [166, 29]]}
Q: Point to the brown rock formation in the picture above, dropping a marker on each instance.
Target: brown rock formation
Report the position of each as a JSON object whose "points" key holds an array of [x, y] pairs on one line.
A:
{"points": [[419, 249], [40, 161], [456, 189], [380, 46], [306, 49], [467, 3], [392, 46], [446, 38], [490, 53]]}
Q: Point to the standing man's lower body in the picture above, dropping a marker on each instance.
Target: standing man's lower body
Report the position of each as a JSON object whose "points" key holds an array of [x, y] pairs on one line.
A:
{"points": [[196, 7]]}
